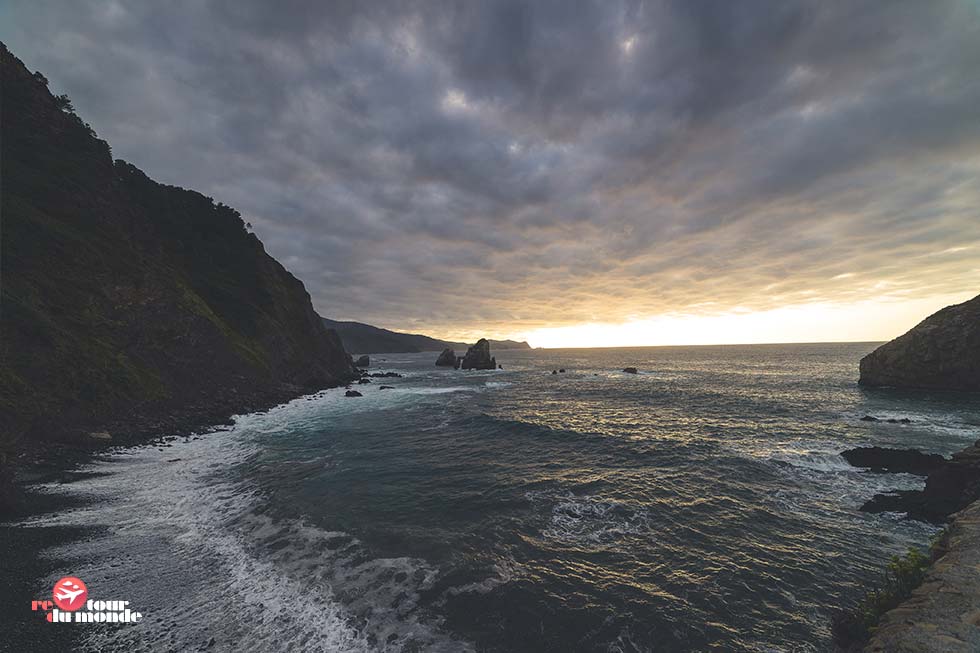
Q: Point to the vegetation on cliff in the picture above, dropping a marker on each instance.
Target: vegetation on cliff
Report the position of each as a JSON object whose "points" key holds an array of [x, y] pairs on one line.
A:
{"points": [[902, 575], [127, 303]]}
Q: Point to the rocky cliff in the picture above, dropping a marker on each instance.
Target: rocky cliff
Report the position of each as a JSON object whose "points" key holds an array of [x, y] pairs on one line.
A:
{"points": [[942, 352], [128, 305]]}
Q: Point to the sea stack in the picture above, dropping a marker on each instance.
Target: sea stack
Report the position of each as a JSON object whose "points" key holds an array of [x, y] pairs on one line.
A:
{"points": [[478, 357], [941, 353], [447, 358]]}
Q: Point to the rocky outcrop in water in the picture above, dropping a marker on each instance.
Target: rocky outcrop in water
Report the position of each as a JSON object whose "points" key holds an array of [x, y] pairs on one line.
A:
{"points": [[363, 361], [881, 459], [631, 370], [950, 487], [478, 357], [447, 358], [942, 352]]}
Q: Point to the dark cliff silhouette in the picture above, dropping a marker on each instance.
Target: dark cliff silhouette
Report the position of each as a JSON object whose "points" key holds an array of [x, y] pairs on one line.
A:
{"points": [[128, 306]]}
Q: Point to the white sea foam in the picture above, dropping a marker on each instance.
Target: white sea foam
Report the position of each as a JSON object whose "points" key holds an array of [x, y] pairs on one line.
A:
{"points": [[590, 520], [184, 545]]}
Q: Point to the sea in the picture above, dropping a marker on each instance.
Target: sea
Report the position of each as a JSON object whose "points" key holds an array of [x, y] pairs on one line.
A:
{"points": [[698, 505]]}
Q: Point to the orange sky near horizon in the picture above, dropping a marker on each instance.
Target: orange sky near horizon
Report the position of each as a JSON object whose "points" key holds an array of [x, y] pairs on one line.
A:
{"points": [[865, 321]]}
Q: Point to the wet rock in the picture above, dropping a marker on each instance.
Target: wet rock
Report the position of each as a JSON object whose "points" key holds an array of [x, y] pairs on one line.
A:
{"points": [[478, 357], [386, 375], [386, 387], [950, 487], [631, 370], [561, 371], [363, 361], [881, 459], [554, 371], [447, 358], [870, 418], [353, 393], [363, 381]]}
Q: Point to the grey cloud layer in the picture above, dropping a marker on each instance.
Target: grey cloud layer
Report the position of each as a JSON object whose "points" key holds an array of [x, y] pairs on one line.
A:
{"points": [[554, 162]]}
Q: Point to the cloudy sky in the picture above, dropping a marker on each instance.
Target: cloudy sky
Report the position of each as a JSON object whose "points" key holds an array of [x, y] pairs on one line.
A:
{"points": [[637, 173]]}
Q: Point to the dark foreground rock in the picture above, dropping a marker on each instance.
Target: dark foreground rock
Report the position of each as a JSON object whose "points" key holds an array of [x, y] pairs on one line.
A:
{"points": [[881, 459], [363, 361], [950, 487], [631, 370], [942, 352], [478, 357], [353, 393], [447, 358]]}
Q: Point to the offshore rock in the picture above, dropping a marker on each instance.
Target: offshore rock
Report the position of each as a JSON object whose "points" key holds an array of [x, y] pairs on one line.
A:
{"points": [[881, 459], [363, 361], [631, 370], [950, 487], [447, 358], [942, 352], [478, 357]]}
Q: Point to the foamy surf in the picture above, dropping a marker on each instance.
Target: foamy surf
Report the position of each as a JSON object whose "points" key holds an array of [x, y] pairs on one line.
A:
{"points": [[187, 543]]}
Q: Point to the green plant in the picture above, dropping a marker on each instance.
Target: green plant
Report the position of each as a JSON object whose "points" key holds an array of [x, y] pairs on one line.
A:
{"points": [[902, 575]]}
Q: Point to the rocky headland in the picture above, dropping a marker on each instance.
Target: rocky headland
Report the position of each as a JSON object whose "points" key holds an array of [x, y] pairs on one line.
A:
{"points": [[131, 308], [941, 353], [368, 339]]}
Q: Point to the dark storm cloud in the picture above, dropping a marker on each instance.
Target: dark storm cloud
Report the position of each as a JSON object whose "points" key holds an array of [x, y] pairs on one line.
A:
{"points": [[553, 162]]}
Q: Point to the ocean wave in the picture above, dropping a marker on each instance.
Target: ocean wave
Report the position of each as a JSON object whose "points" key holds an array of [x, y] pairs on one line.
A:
{"points": [[186, 544], [591, 520], [816, 460]]}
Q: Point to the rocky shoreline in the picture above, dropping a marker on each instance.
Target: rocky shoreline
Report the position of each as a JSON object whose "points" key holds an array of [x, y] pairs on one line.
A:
{"points": [[943, 614], [58, 461], [951, 485], [40, 460]]}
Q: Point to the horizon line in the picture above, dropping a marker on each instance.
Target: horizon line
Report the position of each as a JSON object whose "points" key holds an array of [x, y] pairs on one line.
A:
{"points": [[716, 344]]}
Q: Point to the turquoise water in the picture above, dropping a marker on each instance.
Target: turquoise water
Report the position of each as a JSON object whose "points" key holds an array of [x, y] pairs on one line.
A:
{"points": [[700, 504]]}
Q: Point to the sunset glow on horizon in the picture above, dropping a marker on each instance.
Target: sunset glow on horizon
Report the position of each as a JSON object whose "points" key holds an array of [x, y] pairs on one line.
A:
{"points": [[869, 321], [621, 174]]}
